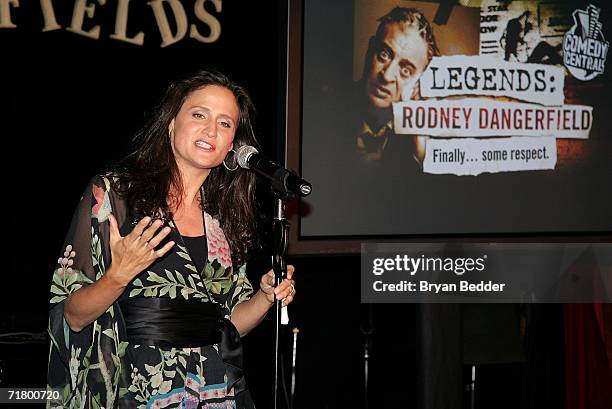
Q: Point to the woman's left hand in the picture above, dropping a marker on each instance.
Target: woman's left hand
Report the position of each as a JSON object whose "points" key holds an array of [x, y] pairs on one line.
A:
{"points": [[285, 290]]}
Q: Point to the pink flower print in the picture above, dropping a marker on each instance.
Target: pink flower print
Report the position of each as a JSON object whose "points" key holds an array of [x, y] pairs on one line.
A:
{"points": [[66, 262], [218, 248], [98, 193], [102, 208]]}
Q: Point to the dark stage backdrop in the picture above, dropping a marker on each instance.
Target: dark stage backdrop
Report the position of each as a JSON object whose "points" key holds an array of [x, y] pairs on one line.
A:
{"points": [[73, 95], [70, 104]]}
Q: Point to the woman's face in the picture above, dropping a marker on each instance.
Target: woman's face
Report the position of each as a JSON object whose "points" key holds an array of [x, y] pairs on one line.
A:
{"points": [[203, 131]]}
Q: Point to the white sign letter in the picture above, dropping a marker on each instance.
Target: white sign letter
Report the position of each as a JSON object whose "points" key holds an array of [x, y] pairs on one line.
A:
{"points": [[121, 25], [162, 21], [5, 13], [78, 15], [209, 19]]}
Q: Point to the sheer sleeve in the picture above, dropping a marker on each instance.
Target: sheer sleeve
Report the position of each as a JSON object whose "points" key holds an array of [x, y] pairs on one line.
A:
{"points": [[242, 289], [80, 253], [85, 364]]}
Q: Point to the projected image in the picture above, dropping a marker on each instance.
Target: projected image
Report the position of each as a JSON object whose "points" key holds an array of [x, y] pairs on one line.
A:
{"points": [[480, 121], [393, 47]]}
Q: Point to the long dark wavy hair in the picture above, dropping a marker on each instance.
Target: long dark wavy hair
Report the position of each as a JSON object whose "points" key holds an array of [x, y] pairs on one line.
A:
{"points": [[148, 177]]}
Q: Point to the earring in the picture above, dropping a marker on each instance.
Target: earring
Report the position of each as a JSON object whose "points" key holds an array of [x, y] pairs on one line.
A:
{"points": [[225, 165]]}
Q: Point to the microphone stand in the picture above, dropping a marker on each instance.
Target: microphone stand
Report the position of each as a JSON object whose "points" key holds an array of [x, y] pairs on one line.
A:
{"points": [[285, 185], [280, 230]]}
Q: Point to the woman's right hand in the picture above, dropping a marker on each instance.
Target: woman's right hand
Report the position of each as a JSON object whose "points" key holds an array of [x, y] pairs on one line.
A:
{"points": [[136, 251]]}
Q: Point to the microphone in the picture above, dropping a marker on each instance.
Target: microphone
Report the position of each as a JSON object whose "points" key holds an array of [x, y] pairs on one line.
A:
{"points": [[283, 180]]}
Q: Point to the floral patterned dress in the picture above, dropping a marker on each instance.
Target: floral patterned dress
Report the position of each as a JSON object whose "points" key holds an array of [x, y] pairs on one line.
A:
{"points": [[97, 367]]}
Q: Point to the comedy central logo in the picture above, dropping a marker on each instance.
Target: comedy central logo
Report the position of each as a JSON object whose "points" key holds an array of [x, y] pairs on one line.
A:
{"points": [[584, 46]]}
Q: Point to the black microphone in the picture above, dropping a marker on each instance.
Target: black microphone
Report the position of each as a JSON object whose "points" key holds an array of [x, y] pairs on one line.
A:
{"points": [[283, 180]]}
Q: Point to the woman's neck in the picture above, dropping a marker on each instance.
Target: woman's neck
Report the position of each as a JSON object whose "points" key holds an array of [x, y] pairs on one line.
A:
{"points": [[192, 183]]}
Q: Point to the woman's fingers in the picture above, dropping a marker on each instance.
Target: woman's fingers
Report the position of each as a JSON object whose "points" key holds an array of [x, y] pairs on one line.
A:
{"points": [[140, 227], [162, 234], [150, 231], [287, 286], [288, 300], [267, 280], [285, 289], [288, 294], [139, 249], [160, 252], [290, 270], [266, 284], [151, 239], [114, 229]]}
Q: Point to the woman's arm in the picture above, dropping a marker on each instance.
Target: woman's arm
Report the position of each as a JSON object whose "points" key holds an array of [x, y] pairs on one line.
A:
{"points": [[248, 314], [130, 255], [86, 304]]}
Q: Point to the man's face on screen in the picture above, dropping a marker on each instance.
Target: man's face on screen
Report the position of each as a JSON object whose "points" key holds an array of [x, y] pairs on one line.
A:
{"points": [[397, 63]]}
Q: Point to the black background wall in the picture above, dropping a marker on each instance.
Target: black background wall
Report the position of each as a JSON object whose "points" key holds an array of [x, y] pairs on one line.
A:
{"points": [[70, 104]]}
